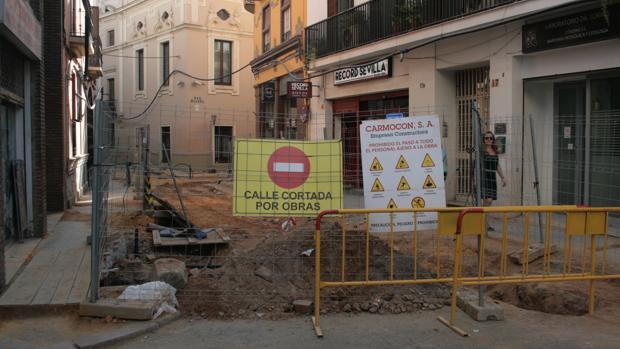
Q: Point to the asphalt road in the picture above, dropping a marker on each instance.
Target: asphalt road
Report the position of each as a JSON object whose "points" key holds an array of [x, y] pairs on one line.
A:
{"points": [[521, 329]]}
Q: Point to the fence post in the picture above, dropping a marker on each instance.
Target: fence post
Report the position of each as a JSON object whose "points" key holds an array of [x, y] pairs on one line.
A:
{"points": [[96, 204]]}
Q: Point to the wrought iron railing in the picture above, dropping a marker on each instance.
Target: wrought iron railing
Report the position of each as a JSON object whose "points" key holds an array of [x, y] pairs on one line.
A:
{"points": [[380, 19]]}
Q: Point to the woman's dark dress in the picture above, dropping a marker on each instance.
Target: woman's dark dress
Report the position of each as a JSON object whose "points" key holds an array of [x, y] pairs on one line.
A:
{"points": [[489, 180]]}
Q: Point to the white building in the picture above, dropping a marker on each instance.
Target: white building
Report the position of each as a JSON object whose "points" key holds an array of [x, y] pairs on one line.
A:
{"points": [[557, 62], [193, 120]]}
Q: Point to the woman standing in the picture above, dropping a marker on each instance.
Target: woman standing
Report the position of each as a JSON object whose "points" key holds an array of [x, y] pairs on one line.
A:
{"points": [[490, 165]]}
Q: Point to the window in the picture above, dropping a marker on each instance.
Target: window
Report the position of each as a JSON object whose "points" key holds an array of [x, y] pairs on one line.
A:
{"points": [[165, 63], [165, 144], [223, 14], [111, 37], [223, 144], [140, 69], [286, 20], [111, 92], [266, 27], [223, 61]]}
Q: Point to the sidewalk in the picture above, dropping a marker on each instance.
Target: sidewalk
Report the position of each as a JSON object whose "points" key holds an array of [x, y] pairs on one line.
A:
{"points": [[58, 272]]}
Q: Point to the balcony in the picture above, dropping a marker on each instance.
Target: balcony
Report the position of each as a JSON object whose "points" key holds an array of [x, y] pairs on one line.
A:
{"points": [[77, 33], [380, 19]]}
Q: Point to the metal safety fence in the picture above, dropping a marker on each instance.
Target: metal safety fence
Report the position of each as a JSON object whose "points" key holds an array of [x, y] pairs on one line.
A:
{"points": [[574, 247], [173, 168]]}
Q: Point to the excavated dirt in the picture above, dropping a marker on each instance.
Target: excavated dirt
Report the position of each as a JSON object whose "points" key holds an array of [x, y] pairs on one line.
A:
{"points": [[262, 271]]}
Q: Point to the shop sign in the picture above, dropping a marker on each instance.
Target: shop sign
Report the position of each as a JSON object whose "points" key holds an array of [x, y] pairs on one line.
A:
{"points": [[374, 70], [394, 115], [574, 29], [299, 89], [268, 92], [287, 178], [402, 168], [17, 17]]}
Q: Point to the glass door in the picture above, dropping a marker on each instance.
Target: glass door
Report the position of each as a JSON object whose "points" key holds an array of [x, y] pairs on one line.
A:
{"points": [[604, 142], [569, 143]]}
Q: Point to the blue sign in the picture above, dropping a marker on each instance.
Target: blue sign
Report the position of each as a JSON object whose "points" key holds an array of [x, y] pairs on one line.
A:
{"points": [[394, 115]]}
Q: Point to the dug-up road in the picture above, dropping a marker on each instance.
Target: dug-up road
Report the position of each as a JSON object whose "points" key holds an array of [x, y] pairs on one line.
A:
{"points": [[521, 329]]}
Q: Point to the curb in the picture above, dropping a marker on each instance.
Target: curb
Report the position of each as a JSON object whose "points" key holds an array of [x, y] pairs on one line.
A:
{"points": [[131, 331]]}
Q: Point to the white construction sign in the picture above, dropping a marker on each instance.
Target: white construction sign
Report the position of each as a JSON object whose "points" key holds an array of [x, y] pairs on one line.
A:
{"points": [[403, 168]]}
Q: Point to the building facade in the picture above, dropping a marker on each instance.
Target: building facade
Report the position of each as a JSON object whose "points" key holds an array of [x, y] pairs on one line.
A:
{"points": [[72, 41], [543, 74], [22, 141], [197, 111], [279, 59]]}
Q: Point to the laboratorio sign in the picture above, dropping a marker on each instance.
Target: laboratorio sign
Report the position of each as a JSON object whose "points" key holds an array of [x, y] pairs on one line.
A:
{"points": [[363, 72]]}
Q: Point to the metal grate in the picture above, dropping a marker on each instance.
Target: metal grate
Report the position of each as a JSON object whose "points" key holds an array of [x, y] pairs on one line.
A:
{"points": [[472, 85]]}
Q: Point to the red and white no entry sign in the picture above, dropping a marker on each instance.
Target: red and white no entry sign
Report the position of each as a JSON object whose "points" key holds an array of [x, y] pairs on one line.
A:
{"points": [[289, 167]]}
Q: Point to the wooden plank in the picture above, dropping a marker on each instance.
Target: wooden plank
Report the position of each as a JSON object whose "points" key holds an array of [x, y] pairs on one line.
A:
{"points": [[82, 282], [66, 284], [19, 181], [26, 286], [65, 268]]}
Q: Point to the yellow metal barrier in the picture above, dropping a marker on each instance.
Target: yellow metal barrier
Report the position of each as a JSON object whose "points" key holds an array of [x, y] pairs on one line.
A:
{"points": [[459, 223]]}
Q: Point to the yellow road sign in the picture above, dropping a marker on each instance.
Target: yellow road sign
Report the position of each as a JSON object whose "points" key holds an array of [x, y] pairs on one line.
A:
{"points": [[428, 162], [429, 183], [376, 165], [418, 202], [402, 163], [286, 178], [377, 186], [403, 184], [392, 204]]}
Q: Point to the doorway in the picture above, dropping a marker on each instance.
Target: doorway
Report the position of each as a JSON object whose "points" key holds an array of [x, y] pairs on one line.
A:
{"points": [[569, 137], [587, 141], [7, 155]]}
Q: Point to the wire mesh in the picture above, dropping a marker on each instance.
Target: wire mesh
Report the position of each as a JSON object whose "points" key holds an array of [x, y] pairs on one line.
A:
{"points": [[266, 263]]}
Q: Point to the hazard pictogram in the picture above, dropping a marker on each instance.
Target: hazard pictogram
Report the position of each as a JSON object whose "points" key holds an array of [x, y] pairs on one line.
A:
{"points": [[376, 165], [377, 186], [428, 162], [418, 202], [429, 183], [402, 163], [392, 204], [403, 184]]}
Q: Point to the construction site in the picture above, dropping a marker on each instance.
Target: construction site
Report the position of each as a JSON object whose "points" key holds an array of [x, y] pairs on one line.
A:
{"points": [[229, 266]]}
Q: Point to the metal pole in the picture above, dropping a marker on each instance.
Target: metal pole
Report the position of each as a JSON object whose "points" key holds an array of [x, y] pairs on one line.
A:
{"points": [[176, 187], [536, 186], [96, 205], [477, 129]]}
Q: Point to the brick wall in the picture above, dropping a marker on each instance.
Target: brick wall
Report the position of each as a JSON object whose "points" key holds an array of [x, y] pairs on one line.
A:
{"points": [[54, 58]]}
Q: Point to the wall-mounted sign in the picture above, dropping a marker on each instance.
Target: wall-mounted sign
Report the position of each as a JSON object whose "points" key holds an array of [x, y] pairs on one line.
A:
{"points": [[374, 70], [297, 89], [303, 113], [24, 29], [394, 116], [500, 128], [574, 29], [268, 92]]}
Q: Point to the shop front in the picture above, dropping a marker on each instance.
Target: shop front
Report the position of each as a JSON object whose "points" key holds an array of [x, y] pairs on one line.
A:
{"points": [[349, 113], [575, 104]]}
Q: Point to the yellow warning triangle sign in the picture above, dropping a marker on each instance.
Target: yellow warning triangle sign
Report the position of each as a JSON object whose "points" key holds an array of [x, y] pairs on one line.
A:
{"points": [[429, 183], [376, 165], [403, 184], [392, 204], [402, 163], [377, 186], [428, 162]]}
